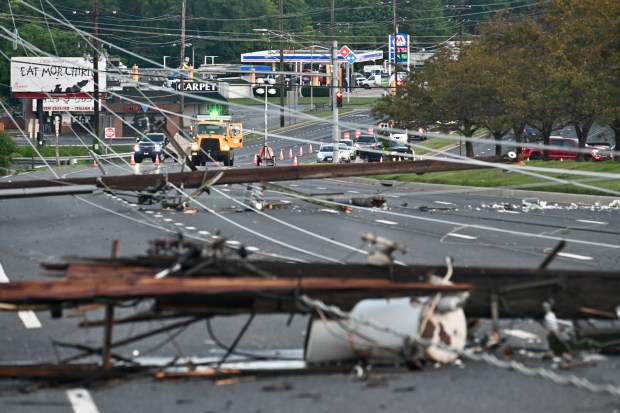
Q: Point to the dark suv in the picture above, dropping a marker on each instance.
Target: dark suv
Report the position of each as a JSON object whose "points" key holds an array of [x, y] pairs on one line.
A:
{"points": [[151, 145], [365, 145]]}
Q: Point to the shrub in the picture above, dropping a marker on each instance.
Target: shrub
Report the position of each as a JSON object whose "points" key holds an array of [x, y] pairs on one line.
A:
{"points": [[7, 148]]}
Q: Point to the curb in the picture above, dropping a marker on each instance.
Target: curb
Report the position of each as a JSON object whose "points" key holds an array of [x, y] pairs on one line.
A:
{"points": [[557, 197]]}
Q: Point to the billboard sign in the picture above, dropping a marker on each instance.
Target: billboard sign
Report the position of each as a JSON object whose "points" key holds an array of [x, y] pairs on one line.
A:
{"points": [[40, 77], [66, 105]]}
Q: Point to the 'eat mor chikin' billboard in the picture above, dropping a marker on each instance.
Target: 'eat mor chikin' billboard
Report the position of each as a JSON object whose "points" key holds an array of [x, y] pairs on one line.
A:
{"points": [[46, 77]]}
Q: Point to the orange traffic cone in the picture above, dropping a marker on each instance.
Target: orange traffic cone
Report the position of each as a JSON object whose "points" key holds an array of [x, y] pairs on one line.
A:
{"points": [[310, 149], [290, 153], [133, 161], [301, 151], [157, 160], [95, 164], [295, 161], [281, 155], [255, 161]]}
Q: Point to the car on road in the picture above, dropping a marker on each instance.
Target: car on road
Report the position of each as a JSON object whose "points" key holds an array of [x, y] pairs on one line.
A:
{"points": [[566, 148], [395, 150], [364, 142], [349, 144], [151, 145], [326, 153]]}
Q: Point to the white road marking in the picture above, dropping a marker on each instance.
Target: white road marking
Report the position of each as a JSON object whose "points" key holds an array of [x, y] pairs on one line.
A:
{"points": [[443, 202], [575, 256], [592, 222], [81, 401], [461, 236], [383, 221], [203, 232], [320, 188], [353, 192], [29, 318]]}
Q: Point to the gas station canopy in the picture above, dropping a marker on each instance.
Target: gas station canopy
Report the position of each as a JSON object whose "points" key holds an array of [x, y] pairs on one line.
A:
{"points": [[314, 54]]}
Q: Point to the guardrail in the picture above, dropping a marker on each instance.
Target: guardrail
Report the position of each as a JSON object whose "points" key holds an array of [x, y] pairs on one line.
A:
{"points": [[69, 160]]}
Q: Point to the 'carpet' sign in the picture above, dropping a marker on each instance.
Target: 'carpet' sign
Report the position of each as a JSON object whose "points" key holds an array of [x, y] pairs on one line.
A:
{"points": [[196, 87]]}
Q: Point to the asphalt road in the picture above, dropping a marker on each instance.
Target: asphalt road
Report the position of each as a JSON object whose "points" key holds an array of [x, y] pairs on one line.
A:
{"points": [[491, 229]]}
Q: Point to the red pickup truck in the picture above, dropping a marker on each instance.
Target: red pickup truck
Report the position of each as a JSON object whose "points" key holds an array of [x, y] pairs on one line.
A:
{"points": [[567, 148]]}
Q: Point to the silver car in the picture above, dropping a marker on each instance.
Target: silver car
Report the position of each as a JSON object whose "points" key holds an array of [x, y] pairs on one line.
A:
{"points": [[326, 153]]}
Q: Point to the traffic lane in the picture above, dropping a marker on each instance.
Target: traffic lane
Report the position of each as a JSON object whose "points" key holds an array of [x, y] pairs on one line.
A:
{"points": [[386, 388], [49, 230], [324, 385], [591, 237], [302, 137]]}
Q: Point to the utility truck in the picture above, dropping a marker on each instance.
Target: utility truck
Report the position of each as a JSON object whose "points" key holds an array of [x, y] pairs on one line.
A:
{"points": [[215, 139]]}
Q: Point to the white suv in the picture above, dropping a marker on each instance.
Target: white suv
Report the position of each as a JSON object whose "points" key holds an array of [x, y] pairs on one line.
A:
{"points": [[326, 153]]}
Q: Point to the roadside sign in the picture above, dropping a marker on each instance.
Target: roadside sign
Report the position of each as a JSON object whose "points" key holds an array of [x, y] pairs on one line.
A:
{"points": [[346, 135], [110, 133], [344, 51], [351, 58]]}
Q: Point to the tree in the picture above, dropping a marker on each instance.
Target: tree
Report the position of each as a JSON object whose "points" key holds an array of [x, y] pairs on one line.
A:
{"points": [[580, 31], [7, 148], [446, 94]]}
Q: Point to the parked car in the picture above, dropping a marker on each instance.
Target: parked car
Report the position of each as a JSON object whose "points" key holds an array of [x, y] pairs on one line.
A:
{"points": [[151, 145], [358, 79], [381, 79], [567, 148], [326, 153], [603, 150]]}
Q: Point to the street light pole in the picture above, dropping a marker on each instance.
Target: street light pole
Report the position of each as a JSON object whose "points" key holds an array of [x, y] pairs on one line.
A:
{"points": [[266, 90], [281, 7]]}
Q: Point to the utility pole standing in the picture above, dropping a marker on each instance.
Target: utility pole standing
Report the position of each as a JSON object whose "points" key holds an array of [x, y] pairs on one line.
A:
{"points": [[460, 19], [181, 63], [334, 85], [395, 30], [281, 77], [95, 138]]}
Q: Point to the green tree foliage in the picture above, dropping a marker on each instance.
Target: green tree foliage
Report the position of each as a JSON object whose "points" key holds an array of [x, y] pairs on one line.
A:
{"points": [[7, 148], [561, 68], [587, 35], [424, 20]]}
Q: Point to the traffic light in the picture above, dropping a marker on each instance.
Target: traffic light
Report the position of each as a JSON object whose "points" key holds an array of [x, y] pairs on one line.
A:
{"points": [[339, 99]]}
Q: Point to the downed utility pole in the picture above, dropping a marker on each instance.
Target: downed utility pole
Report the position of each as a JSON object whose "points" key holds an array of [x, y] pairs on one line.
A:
{"points": [[245, 175], [515, 292]]}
